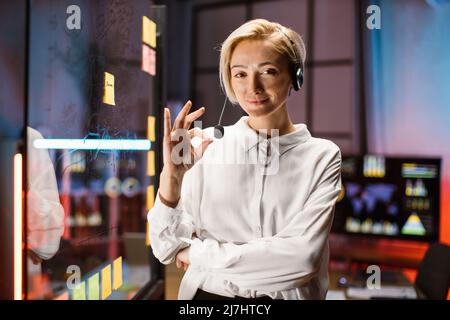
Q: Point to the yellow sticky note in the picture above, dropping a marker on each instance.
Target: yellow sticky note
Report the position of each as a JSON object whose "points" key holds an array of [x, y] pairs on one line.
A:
{"points": [[106, 282], [151, 163], [150, 197], [117, 269], [151, 128], [148, 32], [94, 287], [147, 236], [108, 93], [79, 292]]}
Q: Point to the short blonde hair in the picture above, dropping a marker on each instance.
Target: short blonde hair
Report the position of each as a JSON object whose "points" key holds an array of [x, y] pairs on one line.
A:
{"points": [[260, 29]]}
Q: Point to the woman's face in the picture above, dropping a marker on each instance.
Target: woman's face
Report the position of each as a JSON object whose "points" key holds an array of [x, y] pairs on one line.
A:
{"points": [[259, 77]]}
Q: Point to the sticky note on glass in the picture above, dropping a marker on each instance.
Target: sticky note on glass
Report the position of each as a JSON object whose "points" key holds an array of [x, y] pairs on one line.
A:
{"points": [[148, 60], [151, 128], [79, 292], [150, 197], [117, 276], [108, 93], [151, 163], [147, 235], [148, 32], [94, 287], [106, 282]]}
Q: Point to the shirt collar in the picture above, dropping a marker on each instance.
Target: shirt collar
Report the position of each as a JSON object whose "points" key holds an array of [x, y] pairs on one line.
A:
{"points": [[249, 138]]}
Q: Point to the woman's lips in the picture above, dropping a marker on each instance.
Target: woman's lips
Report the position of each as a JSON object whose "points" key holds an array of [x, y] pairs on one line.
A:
{"points": [[259, 101]]}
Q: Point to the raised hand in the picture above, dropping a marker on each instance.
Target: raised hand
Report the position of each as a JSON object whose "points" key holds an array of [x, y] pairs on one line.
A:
{"points": [[178, 153]]}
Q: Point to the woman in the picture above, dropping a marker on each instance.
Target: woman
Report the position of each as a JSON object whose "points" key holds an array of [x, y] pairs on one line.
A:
{"points": [[257, 227]]}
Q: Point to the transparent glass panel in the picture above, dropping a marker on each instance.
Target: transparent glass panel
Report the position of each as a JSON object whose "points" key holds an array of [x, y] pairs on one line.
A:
{"points": [[94, 72]]}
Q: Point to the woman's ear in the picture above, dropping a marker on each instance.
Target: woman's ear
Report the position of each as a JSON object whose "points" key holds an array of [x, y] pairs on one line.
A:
{"points": [[290, 89]]}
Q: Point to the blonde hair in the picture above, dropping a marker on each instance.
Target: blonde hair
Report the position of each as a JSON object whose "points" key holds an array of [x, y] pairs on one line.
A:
{"points": [[260, 29]]}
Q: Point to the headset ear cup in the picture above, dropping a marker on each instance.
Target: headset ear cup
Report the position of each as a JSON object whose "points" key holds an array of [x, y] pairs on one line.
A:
{"points": [[300, 77], [295, 84], [297, 78]]}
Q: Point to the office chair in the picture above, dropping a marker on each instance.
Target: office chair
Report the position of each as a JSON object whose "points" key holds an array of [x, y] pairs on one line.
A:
{"points": [[433, 278]]}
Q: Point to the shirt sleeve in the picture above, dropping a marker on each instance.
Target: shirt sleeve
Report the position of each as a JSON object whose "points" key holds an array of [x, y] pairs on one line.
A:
{"points": [[294, 254], [45, 215], [171, 229]]}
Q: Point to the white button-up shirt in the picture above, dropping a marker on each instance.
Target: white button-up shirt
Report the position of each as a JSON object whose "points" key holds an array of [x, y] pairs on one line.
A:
{"points": [[261, 211]]}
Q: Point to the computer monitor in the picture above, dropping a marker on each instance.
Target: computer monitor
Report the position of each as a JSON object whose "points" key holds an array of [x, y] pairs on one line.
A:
{"points": [[389, 197]]}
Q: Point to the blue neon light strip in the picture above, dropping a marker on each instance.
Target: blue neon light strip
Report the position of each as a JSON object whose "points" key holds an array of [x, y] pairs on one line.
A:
{"points": [[93, 144]]}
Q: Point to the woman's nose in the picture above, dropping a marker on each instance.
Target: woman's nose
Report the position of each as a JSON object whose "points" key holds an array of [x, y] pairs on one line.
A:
{"points": [[255, 84]]}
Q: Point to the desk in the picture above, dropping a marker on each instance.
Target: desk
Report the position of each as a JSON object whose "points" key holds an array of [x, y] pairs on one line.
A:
{"points": [[174, 275], [389, 280]]}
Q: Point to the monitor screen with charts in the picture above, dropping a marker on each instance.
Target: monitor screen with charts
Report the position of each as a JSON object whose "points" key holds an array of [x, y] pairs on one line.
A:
{"points": [[389, 197]]}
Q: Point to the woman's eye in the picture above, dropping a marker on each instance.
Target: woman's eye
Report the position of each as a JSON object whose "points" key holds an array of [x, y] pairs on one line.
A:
{"points": [[270, 71], [239, 75]]}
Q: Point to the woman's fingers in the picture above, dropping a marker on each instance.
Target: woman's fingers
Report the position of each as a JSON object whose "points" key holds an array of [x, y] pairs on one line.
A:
{"points": [[200, 150], [167, 128], [197, 132], [192, 117], [180, 264], [200, 141], [167, 138], [179, 120]]}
